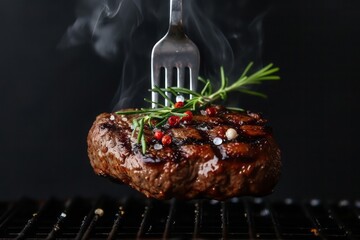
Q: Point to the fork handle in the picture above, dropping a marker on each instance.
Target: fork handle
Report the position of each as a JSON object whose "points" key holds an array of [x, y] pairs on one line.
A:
{"points": [[176, 12]]}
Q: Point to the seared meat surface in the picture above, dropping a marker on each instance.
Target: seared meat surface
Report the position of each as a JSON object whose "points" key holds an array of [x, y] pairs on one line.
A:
{"points": [[200, 162]]}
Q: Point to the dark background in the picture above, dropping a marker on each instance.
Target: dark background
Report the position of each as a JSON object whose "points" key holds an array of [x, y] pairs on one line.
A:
{"points": [[49, 98]]}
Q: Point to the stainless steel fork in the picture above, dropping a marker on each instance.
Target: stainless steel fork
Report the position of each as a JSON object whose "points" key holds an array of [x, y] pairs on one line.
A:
{"points": [[174, 51]]}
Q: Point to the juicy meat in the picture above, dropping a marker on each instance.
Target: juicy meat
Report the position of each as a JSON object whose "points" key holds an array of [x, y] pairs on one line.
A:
{"points": [[192, 166]]}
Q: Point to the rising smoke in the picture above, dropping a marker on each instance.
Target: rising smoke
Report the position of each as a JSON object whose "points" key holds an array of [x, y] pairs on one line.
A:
{"points": [[227, 33]]}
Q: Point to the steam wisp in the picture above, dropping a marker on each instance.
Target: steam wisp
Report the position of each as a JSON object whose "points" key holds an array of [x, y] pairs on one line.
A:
{"points": [[227, 33]]}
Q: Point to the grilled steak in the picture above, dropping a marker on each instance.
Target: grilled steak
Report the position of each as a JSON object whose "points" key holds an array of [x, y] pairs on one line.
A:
{"points": [[202, 160]]}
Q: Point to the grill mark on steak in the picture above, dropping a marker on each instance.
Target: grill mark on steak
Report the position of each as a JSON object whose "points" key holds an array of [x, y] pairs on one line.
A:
{"points": [[206, 136]]}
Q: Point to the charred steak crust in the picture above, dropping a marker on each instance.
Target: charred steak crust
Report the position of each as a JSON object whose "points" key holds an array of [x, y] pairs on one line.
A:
{"points": [[192, 166]]}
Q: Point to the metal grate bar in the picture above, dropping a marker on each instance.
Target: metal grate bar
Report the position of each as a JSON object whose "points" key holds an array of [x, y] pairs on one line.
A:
{"points": [[249, 218], [7, 214], [157, 219], [210, 226], [237, 220], [132, 218], [56, 229], [145, 217], [330, 224], [98, 213], [8, 228], [5, 209], [310, 211], [197, 220], [274, 220], [90, 220], [345, 217], [32, 222], [118, 218], [83, 226], [261, 216], [349, 214], [182, 224], [78, 212], [293, 221], [29, 225], [170, 219], [224, 220]]}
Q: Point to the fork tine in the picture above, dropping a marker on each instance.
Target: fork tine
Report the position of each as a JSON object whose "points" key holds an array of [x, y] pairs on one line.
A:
{"points": [[155, 81], [194, 73], [168, 82], [180, 76]]}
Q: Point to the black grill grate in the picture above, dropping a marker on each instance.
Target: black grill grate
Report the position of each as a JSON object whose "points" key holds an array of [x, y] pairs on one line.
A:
{"points": [[130, 218]]}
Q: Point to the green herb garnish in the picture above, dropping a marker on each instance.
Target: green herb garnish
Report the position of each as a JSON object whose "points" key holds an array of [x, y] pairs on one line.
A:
{"points": [[198, 100]]}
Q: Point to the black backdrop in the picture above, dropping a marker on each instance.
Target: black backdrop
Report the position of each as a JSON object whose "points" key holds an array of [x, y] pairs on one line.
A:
{"points": [[49, 98]]}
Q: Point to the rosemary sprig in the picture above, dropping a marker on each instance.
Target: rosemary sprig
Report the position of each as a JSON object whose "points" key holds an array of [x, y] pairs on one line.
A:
{"points": [[198, 100]]}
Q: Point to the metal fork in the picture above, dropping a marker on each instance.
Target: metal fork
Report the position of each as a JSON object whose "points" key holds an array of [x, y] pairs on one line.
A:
{"points": [[174, 51]]}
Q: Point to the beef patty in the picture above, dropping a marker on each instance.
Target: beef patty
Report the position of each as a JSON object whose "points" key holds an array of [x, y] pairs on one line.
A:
{"points": [[204, 159]]}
